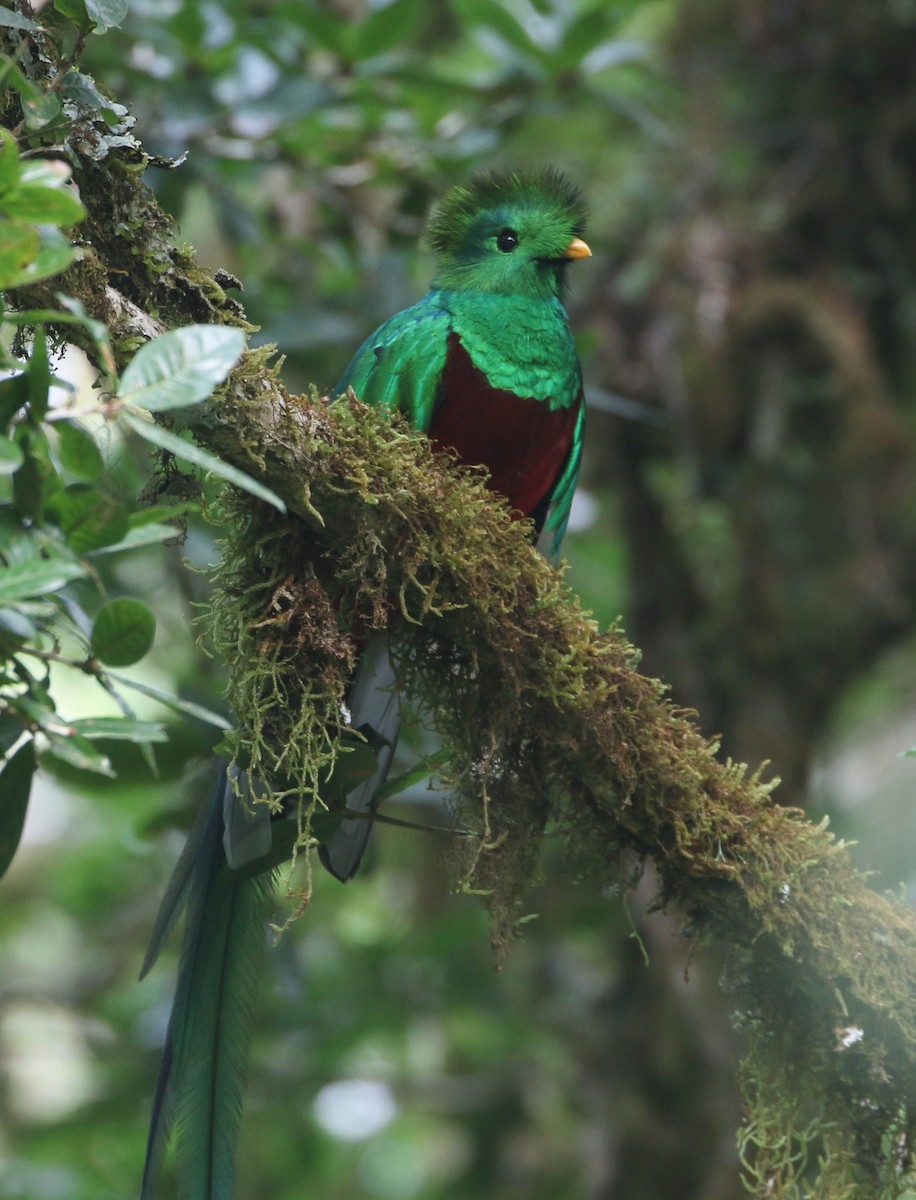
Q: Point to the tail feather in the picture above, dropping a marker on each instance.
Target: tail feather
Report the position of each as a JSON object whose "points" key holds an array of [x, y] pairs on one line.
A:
{"points": [[375, 709], [201, 1079], [246, 821]]}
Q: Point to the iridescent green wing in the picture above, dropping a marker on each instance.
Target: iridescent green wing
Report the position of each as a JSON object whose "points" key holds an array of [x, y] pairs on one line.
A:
{"points": [[399, 366], [561, 501]]}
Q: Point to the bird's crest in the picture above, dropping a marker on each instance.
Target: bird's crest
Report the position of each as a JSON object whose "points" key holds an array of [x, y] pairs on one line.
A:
{"points": [[548, 192]]}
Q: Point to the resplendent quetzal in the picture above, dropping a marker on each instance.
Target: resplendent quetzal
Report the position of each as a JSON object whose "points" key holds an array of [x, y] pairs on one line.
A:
{"points": [[485, 364]]}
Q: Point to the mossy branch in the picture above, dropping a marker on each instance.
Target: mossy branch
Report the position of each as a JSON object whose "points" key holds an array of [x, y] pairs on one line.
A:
{"points": [[551, 725]]}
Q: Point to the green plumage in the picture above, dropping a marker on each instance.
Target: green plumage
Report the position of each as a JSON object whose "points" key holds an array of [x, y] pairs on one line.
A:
{"points": [[486, 365]]}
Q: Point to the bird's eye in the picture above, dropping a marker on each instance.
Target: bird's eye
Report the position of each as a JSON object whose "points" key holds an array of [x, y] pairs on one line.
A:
{"points": [[506, 240]]}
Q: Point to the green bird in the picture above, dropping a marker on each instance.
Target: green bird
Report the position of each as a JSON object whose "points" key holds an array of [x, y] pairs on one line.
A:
{"points": [[486, 365]]}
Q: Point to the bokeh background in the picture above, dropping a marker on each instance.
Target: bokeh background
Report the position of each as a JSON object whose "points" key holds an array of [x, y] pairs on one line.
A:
{"points": [[746, 327]]}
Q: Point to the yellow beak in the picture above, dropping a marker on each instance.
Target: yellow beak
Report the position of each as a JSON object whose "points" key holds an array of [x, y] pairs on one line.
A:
{"points": [[577, 249]]}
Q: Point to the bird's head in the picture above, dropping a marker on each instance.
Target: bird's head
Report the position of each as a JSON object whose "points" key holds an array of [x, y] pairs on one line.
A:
{"points": [[512, 233]]}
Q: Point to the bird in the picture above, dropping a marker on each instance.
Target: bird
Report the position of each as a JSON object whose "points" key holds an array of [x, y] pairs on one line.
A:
{"points": [[485, 364]]}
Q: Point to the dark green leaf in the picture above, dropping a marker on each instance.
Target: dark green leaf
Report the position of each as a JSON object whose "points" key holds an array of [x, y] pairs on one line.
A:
{"points": [[192, 453], [32, 202], [19, 246], [181, 367], [28, 491], [10, 732], [11, 456], [39, 373], [82, 91], [325, 28], [36, 578], [87, 517], [36, 478], [74, 9], [123, 632], [388, 27], [78, 450], [354, 765], [578, 39], [14, 395], [9, 164], [15, 786]]}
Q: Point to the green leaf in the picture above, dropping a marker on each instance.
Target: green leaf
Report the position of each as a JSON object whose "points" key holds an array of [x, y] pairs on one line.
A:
{"points": [[106, 13], [9, 160], [578, 40], [323, 27], [36, 478], [41, 110], [10, 732], [74, 9], [354, 765], [19, 543], [39, 373], [15, 786], [55, 254], [40, 712], [11, 456], [78, 752], [120, 729], [407, 779], [16, 626], [78, 450], [14, 20], [45, 172], [181, 367], [19, 246], [123, 632], [492, 14], [191, 453], [37, 578], [41, 205], [14, 395], [387, 27], [141, 535], [88, 518], [188, 707], [156, 514]]}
